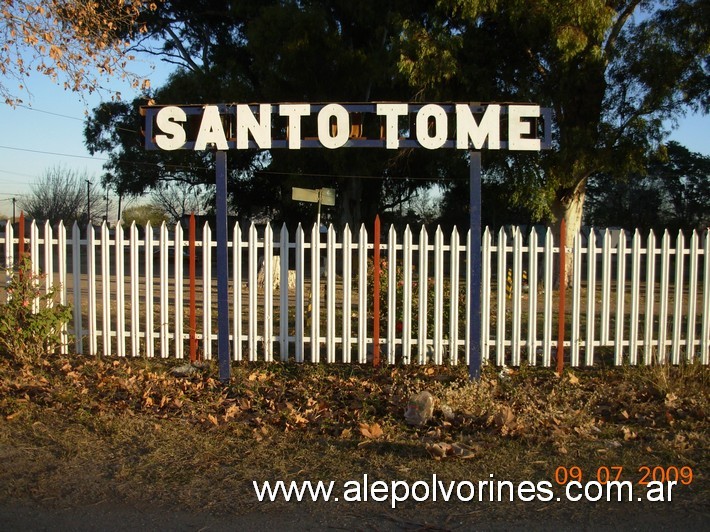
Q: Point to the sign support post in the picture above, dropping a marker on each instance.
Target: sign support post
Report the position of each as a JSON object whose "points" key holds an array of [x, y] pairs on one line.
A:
{"points": [[222, 268], [474, 356], [525, 126]]}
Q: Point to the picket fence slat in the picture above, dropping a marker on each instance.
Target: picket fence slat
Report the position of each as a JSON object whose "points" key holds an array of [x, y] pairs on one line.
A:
{"points": [[283, 294], [422, 282], [591, 298], [678, 298], [692, 297], [91, 269], [576, 300], [314, 303], [454, 301], [300, 310], [392, 316], [253, 293], [486, 246], [361, 339], [149, 321], [408, 291], [62, 274], [650, 296], [105, 247], [632, 298], [502, 277], [347, 259], [635, 296], [705, 342]]}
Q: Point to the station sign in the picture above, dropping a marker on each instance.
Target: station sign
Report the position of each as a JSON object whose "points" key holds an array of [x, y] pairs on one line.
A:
{"points": [[265, 126]]}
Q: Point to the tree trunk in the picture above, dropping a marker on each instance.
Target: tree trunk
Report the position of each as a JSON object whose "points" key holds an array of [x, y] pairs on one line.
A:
{"points": [[569, 209], [350, 204]]}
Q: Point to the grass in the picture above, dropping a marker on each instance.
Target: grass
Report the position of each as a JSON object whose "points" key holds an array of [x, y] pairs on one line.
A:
{"points": [[74, 430]]}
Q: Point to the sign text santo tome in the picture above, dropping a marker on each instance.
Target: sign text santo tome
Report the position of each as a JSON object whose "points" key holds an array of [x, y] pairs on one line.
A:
{"points": [[389, 125]]}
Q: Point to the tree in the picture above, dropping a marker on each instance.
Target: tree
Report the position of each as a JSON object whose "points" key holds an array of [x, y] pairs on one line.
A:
{"points": [[674, 194], [272, 51], [70, 40], [142, 214], [62, 195], [613, 71], [177, 200]]}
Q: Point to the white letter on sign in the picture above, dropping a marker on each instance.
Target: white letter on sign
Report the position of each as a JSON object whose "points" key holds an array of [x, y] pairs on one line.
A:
{"points": [[517, 128], [391, 112], [466, 127], [294, 112], [342, 126], [167, 121], [247, 123], [437, 140], [211, 130]]}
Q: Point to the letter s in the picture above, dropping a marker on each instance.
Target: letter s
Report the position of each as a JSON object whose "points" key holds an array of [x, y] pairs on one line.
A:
{"points": [[167, 120]]}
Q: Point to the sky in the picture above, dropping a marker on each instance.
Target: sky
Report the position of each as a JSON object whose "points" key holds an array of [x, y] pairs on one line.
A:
{"points": [[47, 132]]}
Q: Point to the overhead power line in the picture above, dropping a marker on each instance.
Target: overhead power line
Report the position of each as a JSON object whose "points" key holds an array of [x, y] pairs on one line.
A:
{"points": [[55, 153], [50, 113]]}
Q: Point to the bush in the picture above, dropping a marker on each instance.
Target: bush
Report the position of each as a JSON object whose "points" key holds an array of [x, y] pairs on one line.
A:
{"points": [[430, 299], [30, 321]]}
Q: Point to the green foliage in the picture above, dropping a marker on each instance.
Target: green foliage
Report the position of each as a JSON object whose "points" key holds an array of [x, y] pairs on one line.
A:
{"points": [[613, 72], [675, 194], [273, 52], [142, 214], [415, 289], [30, 321]]}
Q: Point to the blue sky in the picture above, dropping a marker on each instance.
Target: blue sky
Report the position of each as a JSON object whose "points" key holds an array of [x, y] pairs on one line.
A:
{"points": [[51, 134]]}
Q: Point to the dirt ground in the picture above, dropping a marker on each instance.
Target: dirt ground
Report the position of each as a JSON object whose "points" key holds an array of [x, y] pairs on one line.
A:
{"points": [[91, 444], [117, 516]]}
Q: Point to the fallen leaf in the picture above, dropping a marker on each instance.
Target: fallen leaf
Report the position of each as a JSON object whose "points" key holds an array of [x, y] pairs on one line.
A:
{"points": [[299, 419], [437, 450], [463, 452], [629, 434], [372, 431], [231, 412], [504, 418]]}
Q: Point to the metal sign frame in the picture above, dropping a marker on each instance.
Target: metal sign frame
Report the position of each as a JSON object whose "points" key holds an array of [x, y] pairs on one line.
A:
{"points": [[396, 125]]}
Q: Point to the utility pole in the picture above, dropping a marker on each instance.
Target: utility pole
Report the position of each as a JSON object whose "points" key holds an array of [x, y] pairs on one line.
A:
{"points": [[13, 210], [88, 202], [106, 216]]}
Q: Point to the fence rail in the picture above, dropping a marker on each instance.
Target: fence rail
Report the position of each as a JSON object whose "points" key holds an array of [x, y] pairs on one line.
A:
{"points": [[307, 296]]}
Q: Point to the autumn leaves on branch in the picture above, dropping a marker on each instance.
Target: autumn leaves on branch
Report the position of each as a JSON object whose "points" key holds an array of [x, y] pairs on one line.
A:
{"points": [[75, 43]]}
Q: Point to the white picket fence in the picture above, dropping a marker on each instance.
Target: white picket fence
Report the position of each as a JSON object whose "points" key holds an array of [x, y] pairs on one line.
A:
{"points": [[632, 299]]}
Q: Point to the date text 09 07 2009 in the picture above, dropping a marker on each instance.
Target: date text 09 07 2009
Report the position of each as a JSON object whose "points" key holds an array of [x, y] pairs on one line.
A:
{"points": [[644, 474]]}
